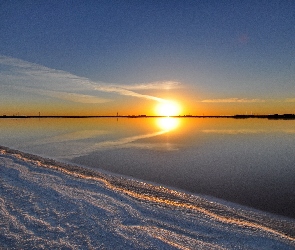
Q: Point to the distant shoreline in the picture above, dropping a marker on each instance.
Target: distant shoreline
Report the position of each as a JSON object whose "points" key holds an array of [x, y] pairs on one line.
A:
{"points": [[273, 116]]}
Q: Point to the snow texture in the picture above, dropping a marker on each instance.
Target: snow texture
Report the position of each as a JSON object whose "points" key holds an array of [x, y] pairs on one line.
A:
{"points": [[45, 204]]}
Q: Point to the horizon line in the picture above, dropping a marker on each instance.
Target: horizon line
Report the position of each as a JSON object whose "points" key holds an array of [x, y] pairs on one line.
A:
{"points": [[269, 116]]}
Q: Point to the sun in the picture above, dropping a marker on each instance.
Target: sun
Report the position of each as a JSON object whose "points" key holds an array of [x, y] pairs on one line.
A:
{"points": [[168, 108]]}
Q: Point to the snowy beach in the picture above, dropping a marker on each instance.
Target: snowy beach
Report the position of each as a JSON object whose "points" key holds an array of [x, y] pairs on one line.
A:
{"points": [[45, 204]]}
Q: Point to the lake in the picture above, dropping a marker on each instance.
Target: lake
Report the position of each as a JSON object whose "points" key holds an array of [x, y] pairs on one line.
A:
{"points": [[245, 161]]}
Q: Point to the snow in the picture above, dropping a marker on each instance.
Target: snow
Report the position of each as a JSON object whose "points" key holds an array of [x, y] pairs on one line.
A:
{"points": [[46, 204]]}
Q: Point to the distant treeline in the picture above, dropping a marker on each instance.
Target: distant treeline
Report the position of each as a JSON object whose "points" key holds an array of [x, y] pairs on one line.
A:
{"points": [[273, 116]]}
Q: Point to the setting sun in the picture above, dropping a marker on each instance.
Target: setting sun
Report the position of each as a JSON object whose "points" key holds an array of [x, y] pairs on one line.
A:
{"points": [[168, 108]]}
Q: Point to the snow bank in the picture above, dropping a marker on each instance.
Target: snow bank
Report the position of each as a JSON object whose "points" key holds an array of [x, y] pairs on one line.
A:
{"points": [[45, 204]]}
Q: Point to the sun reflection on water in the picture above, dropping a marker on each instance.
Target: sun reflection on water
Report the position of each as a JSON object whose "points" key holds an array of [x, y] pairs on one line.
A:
{"points": [[168, 123]]}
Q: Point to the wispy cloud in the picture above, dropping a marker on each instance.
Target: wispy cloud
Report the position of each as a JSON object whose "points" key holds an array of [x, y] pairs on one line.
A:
{"points": [[126, 92], [290, 100], [233, 100], [64, 85], [68, 96], [167, 85]]}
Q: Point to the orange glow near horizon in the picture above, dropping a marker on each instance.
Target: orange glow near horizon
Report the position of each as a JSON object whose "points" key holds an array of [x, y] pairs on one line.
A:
{"points": [[177, 105]]}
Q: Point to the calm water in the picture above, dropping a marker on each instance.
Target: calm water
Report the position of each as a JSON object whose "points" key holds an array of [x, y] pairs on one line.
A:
{"points": [[247, 161]]}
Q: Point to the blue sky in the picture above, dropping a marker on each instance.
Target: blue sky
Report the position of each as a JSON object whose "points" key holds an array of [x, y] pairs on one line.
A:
{"points": [[227, 56]]}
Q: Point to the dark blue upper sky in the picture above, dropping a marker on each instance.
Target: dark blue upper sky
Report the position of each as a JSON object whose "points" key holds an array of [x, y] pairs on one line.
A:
{"points": [[224, 49]]}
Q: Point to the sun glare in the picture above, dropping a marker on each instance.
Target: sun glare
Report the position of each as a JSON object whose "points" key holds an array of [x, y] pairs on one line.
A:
{"points": [[167, 123], [168, 108]]}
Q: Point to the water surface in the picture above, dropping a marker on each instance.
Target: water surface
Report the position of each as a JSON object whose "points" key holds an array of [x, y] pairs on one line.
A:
{"points": [[247, 161]]}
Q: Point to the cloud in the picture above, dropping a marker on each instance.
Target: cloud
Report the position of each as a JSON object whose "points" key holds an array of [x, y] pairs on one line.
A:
{"points": [[64, 85], [167, 85], [120, 91], [73, 97], [290, 100], [233, 100], [78, 97]]}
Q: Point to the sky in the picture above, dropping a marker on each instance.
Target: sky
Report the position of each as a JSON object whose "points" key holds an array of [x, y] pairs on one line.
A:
{"points": [[104, 57]]}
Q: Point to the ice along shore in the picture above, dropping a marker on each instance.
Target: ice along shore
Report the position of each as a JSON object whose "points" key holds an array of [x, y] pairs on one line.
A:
{"points": [[47, 204]]}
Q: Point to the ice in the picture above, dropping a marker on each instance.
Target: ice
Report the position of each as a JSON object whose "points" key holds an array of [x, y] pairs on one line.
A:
{"points": [[46, 204]]}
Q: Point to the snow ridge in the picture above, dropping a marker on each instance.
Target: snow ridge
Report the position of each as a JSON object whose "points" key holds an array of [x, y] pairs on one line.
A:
{"points": [[47, 204]]}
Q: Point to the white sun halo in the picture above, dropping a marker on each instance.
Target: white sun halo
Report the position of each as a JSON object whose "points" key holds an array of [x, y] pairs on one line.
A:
{"points": [[168, 108]]}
